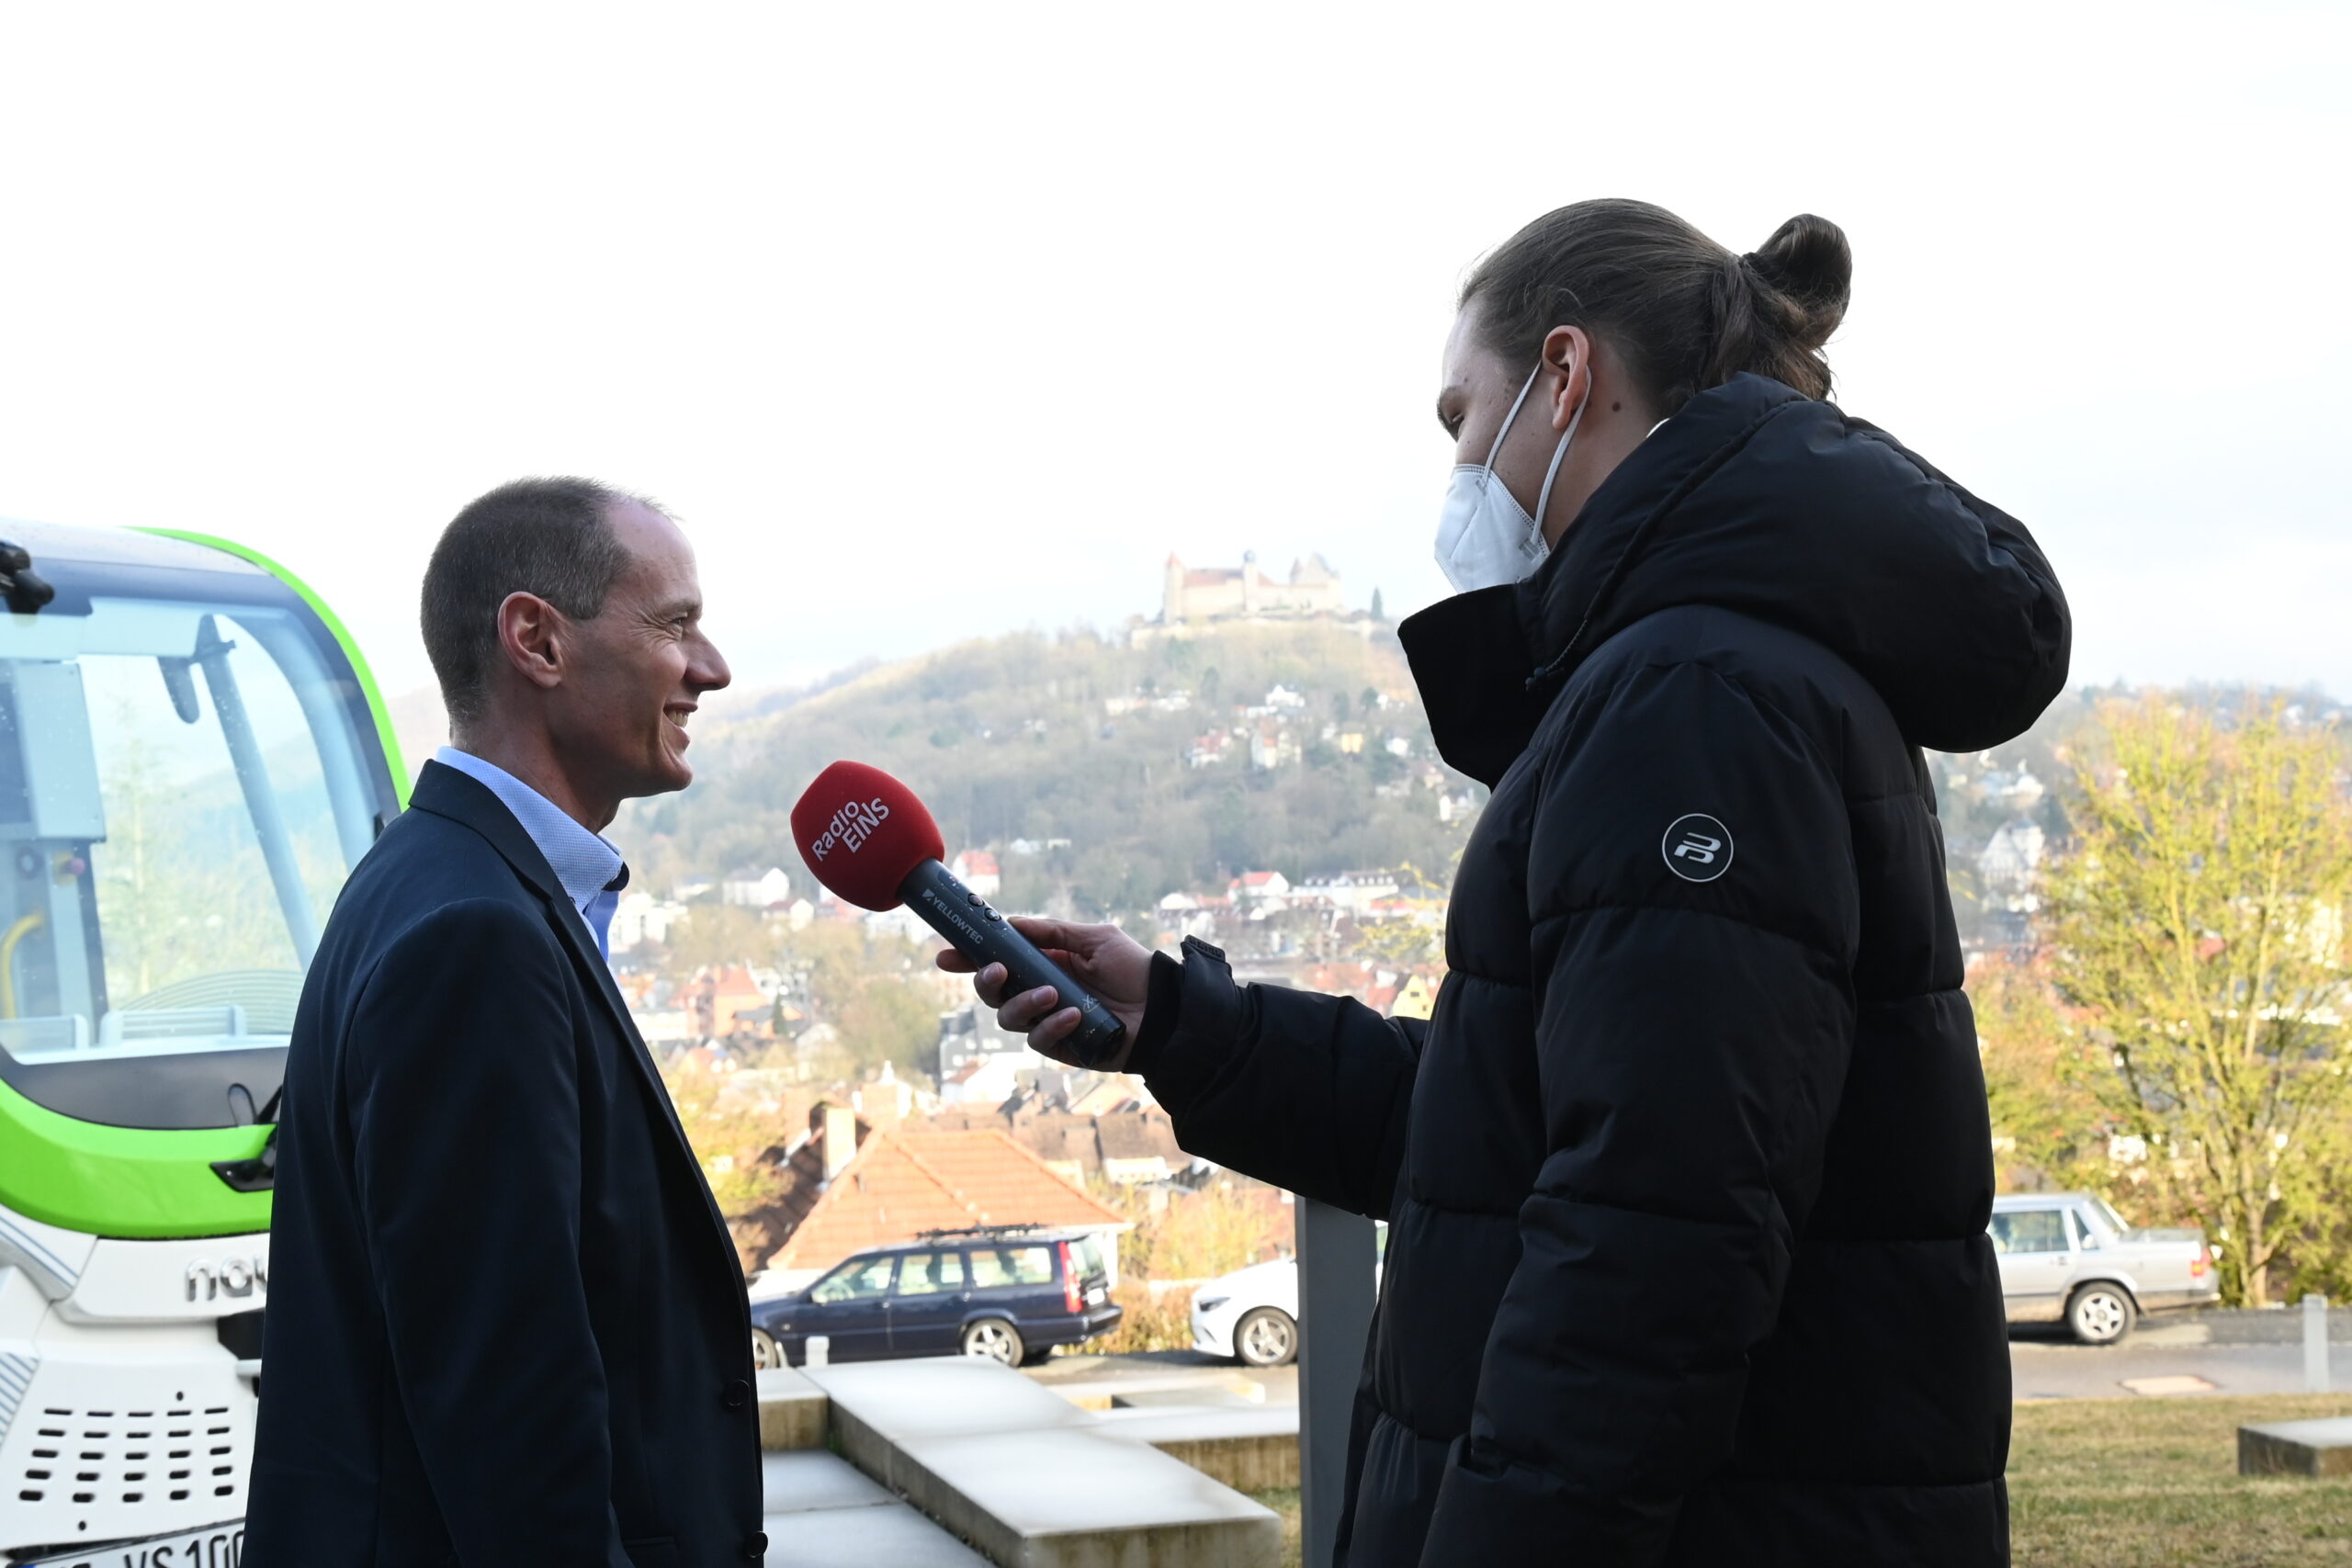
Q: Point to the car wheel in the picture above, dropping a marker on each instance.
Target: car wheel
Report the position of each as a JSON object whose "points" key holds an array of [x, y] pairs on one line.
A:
{"points": [[1266, 1337], [994, 1339], [2100, 1314], [766, 1354]]}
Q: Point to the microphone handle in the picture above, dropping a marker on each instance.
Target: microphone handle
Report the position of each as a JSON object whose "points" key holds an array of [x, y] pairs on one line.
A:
{"points": [[986, 937]]}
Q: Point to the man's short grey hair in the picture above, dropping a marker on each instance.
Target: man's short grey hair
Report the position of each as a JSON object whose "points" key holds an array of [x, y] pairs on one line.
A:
{"points": [[552, 537]]}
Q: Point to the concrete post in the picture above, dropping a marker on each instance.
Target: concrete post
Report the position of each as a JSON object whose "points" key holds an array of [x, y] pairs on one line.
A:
{"points": [[2315, 1344], [1336, 1260]]}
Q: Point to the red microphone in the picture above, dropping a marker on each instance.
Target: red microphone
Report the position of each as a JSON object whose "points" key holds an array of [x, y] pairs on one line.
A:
{"points": [[866, 836]]}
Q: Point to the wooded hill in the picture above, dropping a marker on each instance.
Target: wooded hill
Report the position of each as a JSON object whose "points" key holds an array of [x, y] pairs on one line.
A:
{"points": [[1040, 738]]}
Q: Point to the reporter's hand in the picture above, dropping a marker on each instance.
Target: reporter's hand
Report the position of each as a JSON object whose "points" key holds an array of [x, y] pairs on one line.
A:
{"points": [[1103, 959]]}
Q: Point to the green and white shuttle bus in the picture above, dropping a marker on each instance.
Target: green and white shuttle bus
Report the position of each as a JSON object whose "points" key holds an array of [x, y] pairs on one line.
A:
{"points": [[193, 756]]}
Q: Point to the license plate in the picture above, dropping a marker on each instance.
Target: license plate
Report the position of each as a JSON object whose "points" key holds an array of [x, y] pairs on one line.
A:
{"points": [[215, 1546], [1094, 1296]]}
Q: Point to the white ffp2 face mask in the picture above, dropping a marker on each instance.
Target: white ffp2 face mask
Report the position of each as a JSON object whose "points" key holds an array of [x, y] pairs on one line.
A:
{"points": [[1485, 538]]}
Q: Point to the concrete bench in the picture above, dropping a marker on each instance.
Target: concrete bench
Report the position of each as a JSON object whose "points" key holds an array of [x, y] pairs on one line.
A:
{"points": [[2296, 1448], [792, 1411], [1248, 1450], [822, 1512], [1030, 1480], [1187, 1388]]}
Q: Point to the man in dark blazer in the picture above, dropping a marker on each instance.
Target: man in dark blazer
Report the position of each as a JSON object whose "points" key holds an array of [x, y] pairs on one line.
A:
{"points": [[506, 1325]]}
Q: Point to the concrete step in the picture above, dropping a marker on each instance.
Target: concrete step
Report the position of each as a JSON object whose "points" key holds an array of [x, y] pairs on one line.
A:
{"points": [[1030, 1480], [792, 1411], [1177, 1388], [1249, 1449], [2296, 1448], [823, 1513]]}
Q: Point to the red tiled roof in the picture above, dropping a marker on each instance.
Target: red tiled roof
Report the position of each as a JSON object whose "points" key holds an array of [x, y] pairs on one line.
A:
{"points": [[733, 979], [1140, 1134], [902, 1184]]}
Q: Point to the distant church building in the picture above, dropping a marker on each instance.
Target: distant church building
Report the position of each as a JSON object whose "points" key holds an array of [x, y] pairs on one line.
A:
{"points": [[1217, 593]]}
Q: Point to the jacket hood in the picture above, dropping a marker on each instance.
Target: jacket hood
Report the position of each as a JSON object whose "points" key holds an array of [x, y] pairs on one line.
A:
{"points": [[1756, 500]]}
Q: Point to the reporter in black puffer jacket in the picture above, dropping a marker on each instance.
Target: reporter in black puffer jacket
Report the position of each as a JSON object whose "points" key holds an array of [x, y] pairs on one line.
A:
{"points": [[1687, 1180]]}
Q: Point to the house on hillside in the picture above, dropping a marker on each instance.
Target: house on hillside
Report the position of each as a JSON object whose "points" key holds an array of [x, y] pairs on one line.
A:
{"points": [[981, 1081], [640, 918], [971, 1032], [1261, 893], [1341, 978], [727, 1000], [1132, 1144], [1347, 890], [1207, 750], [665, 1030], [2010, 868], [1103, 1094], [844, 1192], [883, 1101], [1416, 997], [1138, 1147], [1274, 745], [748, 887], [1279, 699], [1036, 846], [977, 870]]}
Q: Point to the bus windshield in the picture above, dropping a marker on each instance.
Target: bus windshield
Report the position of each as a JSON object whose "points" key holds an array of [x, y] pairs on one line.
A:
{"points": [[182, 795]]}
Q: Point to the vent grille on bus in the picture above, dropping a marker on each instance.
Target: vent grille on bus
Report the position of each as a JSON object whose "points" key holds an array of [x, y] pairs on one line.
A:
{"points": [[126, 1458], [15, 1377]]}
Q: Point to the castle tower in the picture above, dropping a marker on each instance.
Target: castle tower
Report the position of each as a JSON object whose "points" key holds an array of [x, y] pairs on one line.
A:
{"points": [[1171, 592], [1250, 604]]}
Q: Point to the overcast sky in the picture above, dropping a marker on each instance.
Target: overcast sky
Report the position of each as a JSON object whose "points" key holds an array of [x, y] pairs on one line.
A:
{"points": [[932, 322]]}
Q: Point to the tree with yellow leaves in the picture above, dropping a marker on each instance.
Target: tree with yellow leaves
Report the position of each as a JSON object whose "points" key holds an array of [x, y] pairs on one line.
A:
{"points": [[2197, 924]]}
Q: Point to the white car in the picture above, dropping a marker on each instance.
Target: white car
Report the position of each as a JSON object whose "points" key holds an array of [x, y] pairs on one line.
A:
{"points": [[1251, 1314]]}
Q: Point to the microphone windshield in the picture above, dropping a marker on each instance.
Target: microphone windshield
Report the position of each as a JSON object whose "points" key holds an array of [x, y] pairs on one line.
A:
{"points": [[862, 831]]}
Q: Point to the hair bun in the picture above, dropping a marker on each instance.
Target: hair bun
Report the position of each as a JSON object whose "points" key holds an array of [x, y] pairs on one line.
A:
{"points": [[1808, 260]]}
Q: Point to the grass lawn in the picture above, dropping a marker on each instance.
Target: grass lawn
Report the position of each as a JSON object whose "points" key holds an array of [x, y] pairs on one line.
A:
{"points": [[2140, 1483], [2151, 1483], [1283, 1500]]}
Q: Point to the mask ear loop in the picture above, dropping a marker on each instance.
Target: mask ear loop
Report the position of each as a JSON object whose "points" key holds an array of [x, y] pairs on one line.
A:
{"points": [[1509, 419], [1543, 502]]}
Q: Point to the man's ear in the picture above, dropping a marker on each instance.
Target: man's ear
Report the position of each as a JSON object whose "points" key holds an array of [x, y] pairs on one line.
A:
{"points": [[533, 635], [1568, 349]]}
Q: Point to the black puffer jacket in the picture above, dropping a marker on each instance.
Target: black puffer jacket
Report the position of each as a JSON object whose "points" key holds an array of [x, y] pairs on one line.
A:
{"points": [[1688, 1178]]}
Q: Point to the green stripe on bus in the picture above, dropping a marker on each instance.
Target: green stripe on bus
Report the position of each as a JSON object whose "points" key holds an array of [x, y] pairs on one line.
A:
{"points": [[124, 1181]]}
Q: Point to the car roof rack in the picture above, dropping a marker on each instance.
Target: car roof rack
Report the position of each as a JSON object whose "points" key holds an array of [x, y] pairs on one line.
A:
{"points": [[959, 1233]]}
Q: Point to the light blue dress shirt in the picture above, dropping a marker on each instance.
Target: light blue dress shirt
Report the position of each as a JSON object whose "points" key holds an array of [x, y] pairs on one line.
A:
{"points": [[589, 868]]}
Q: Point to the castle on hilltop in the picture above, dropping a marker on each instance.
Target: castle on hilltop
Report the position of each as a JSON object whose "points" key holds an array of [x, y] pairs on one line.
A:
{"points": [[1190, 596]]}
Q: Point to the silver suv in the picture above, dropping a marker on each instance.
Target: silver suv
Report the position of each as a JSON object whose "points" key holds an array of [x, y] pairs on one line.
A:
{"points": [[2070, 1257]]}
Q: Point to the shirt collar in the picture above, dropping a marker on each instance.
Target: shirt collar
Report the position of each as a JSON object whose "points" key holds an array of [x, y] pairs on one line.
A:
{"points": [[582, 862]]}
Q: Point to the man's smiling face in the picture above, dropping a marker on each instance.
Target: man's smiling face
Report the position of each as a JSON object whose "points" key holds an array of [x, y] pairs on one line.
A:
{"points": [[639, 670]]}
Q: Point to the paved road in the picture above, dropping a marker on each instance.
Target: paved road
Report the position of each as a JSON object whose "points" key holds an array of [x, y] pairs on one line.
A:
{"points": [[2043, 1363]]}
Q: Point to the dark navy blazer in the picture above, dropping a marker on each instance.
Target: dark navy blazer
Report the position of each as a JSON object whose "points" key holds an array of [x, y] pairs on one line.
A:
{"points": [[505, 1325]]}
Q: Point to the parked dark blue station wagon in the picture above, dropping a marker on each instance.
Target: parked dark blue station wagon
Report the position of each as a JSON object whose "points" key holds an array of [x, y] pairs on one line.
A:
{"points": [[1010, 1293]]}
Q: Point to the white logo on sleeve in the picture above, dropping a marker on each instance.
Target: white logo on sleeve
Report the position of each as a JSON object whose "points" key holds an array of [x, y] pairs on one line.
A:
{"points": [[1697, 848]]}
